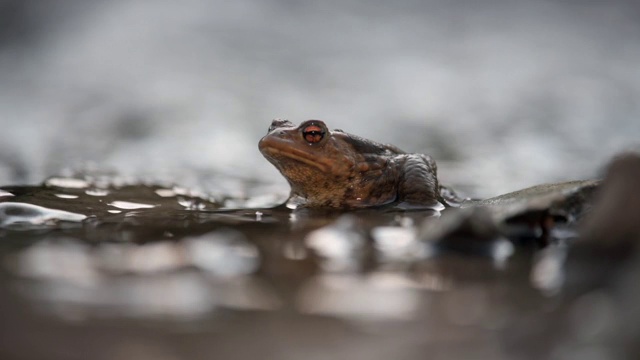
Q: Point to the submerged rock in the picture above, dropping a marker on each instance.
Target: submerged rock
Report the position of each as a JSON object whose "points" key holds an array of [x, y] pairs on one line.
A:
{"points": [[540, 212], [568, 199]]}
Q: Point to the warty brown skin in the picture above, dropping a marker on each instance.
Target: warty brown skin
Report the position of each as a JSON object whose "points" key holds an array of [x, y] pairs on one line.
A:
{"points": [[333, 169]]}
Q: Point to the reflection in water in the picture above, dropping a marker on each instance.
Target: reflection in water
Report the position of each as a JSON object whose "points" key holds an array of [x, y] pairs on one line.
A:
{"points": [[357, 297], [547, 273], [501, 251], [399, 244], [152, 279], [339, 245], [178, 296], [223, 253], [61, 260], [153, 257]]}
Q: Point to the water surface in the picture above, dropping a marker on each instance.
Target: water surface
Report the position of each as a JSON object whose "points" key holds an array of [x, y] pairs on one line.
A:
{"points": [[110, 269]]}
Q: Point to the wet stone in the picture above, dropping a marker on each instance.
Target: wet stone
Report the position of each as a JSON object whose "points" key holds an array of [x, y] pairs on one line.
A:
{"points": [[542, 213], [569, 199]]}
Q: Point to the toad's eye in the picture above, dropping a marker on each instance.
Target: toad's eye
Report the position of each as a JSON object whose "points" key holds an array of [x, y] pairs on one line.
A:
{"points": [[313, 133]]}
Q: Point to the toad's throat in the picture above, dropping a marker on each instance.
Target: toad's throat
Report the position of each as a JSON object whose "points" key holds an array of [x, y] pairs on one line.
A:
{"points": [[298, 155]]}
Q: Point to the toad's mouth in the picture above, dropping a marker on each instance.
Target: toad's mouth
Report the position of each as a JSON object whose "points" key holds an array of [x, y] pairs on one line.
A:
{"points": [[273, 149]]}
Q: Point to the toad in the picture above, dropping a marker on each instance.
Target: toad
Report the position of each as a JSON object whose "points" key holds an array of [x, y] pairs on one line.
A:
{"points": [[333, 169]]}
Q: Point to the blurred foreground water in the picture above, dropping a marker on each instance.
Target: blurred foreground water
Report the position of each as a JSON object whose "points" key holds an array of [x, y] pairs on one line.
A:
{"points": [[97, 266]]}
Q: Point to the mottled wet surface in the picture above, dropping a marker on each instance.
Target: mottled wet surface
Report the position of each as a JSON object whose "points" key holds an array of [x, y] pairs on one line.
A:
{"points": [[107, 269]]}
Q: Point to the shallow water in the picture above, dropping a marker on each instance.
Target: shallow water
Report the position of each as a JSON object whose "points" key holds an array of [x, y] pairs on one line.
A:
{"points": [[111, 270], [503, 94]]}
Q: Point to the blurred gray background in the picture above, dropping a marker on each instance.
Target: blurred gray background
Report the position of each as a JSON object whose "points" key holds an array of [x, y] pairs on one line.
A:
{"points": [[504, 94]]}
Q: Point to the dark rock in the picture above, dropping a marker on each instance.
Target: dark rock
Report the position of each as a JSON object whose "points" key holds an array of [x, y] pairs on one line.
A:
{"points": [[614, 223], [540, 213], [610, 234]]}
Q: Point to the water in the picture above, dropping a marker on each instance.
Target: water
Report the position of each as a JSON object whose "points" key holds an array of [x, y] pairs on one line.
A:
{"points": [[140, 270], [154, 240]]}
